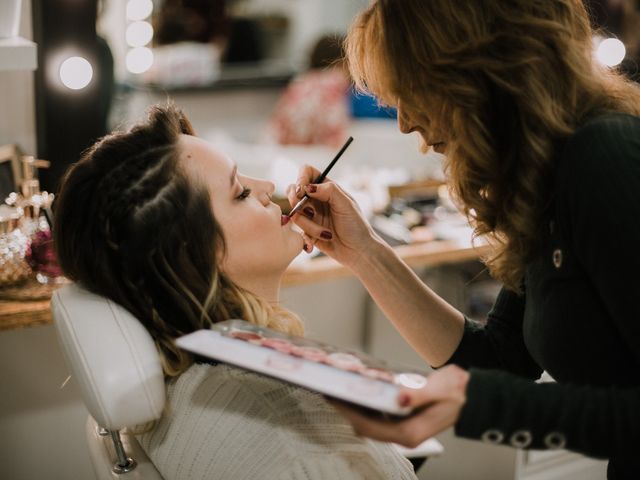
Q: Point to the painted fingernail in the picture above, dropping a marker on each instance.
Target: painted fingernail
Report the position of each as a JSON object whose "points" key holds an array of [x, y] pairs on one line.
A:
{"points": [[326, 234], [298, 189], [312, 188], [404, 400], [308, 211]]}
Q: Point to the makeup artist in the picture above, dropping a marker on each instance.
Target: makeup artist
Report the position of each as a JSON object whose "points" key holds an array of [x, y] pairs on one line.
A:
{"points": [[542, 150]]}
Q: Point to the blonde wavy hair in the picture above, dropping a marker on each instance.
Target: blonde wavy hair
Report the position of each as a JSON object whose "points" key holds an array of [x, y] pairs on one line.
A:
{"points": [[133, 226], [512, 80]]}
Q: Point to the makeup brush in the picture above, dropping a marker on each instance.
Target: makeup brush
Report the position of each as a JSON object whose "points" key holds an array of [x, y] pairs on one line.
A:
{"points": [[321, 177]]}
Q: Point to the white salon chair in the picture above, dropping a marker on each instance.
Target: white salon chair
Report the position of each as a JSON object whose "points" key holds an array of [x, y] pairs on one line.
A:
{"points": [[116, 365]]}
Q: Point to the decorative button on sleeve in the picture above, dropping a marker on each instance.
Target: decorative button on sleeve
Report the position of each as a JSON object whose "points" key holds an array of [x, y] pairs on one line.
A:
{"points": [[555, 440], [493, 436], [520, 439]]}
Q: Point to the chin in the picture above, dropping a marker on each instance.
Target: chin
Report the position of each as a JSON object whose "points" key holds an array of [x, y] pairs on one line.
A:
{"points": [[292, 237], [294, 246]]}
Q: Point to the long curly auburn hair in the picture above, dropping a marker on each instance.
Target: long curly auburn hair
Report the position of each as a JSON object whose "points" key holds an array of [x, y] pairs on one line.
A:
{"points": [[514, 78]]}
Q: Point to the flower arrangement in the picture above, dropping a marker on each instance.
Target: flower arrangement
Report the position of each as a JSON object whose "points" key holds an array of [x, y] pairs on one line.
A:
{"points": [[41, 256]]}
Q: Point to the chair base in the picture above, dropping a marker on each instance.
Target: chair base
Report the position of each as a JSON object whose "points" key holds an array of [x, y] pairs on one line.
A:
{"points": [[105, 461]]}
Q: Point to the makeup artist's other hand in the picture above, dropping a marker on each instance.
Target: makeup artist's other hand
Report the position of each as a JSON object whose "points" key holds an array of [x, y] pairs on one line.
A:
{"points": [[331, 218], [442, 398]]}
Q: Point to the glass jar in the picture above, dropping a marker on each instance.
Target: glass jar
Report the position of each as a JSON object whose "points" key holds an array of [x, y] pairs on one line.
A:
{"points": [[13, 247]]}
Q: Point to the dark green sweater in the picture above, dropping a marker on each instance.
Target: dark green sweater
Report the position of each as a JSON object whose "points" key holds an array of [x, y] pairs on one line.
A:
{"points": [[578, 319]]}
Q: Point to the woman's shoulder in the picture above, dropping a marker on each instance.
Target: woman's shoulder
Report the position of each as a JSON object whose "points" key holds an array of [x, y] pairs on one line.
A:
{"points": [[608, 143], [604, 132]]}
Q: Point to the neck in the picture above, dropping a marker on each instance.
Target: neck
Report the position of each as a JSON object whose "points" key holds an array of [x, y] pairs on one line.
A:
{"points": [[265, 287]]}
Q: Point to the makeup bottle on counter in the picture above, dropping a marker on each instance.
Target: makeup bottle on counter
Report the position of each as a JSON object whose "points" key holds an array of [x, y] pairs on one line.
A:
{"points": [[40, 253], [33, 202]]}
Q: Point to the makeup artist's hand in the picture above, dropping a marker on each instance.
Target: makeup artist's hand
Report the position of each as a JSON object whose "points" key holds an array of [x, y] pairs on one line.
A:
{"points": [[331, 218], [442, 398]]}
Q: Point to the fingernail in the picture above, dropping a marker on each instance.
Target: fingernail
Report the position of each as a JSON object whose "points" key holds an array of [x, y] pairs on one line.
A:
{"points": [[298, 189], [326, 234], [308, 211], [404, 400], [312, 188]]}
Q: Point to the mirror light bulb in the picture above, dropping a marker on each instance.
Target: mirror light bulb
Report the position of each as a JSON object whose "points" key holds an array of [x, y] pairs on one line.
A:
{"points": [[139, 59], [139, 34], [76, 73], [610, 52], [139, 9]]}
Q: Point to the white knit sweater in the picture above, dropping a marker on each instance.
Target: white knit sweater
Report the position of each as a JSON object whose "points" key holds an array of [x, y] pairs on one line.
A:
{"points": [[226, 423]]}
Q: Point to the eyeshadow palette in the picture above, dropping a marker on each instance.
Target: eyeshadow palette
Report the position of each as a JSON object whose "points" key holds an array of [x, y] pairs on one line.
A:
{"points": [[346, 375]]}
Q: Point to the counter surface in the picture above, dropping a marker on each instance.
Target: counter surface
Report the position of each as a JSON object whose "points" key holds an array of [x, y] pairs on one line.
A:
{"points": [[27, 313]]}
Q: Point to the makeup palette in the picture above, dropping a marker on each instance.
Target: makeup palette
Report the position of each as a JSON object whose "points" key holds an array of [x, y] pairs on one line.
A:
{"points": [[346, 375]]}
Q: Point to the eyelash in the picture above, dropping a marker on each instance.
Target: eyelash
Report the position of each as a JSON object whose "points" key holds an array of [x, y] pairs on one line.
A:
{"points": [[245, 193]]}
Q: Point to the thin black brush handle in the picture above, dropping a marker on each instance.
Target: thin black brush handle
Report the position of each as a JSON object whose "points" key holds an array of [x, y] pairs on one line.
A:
{"points": [[324, 174], [320, 178]]}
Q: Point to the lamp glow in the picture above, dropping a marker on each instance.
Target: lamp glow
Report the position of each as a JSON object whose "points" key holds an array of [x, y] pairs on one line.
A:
{"points": [[76, 73], [139, 9], [610, 52], [139, 59], [139, 34]]}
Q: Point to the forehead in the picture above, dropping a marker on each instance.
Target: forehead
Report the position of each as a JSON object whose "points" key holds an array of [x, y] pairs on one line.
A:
{"points": [[205, 162]]}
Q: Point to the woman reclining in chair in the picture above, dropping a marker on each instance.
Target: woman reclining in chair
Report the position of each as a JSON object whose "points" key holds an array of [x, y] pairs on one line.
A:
{"points": [[162, 223]]}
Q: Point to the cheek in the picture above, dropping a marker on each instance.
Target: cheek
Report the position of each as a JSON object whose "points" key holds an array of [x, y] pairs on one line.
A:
{"points": [[251, 242]]}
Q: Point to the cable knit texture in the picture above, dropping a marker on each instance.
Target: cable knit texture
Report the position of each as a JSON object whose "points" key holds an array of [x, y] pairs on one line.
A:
{"points": [[227, 423]]}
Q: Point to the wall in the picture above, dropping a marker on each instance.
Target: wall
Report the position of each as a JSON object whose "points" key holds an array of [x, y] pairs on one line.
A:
{"points": [[41, 423], [17, 105]]}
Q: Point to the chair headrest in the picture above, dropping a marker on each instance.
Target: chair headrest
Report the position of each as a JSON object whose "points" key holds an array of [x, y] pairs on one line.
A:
{"points": [[111, 356]]}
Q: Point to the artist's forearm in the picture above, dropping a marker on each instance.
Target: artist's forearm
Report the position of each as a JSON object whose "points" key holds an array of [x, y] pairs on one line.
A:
{"points": [[428, 323]]}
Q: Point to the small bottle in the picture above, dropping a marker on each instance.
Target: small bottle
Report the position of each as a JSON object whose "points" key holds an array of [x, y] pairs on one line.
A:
{"points": [[33, 201]]}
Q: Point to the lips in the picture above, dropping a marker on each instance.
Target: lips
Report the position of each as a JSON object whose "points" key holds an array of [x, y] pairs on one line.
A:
{"points": [[284, 219]]}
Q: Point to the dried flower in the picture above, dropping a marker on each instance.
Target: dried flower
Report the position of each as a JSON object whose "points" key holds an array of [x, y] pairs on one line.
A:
{"points": [[41, 255]]}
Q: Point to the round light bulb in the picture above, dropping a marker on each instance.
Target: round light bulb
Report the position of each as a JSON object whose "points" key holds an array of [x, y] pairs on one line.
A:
{"points": [[139, 59], [76, 73], [139, 34], [611, 52], [139, 9]]}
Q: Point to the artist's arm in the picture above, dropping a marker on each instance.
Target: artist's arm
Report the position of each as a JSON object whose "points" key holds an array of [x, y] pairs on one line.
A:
{"points": [[436, 330], [428, 323], [501, 408]]}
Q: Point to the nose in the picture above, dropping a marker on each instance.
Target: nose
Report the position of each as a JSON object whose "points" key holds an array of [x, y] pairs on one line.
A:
{"points": [[272, 187], [264, 190], [403, 122]]}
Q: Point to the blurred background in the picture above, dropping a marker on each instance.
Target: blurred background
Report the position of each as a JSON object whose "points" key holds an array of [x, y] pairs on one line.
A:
{"points": [[262, 80]]}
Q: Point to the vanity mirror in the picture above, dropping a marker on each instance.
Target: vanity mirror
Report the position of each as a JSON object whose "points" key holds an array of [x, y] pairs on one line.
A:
{"points": [[203, 43]]}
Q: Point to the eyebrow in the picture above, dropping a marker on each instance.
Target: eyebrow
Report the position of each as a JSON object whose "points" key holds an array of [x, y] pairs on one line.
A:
{"points": [[234, 173]]}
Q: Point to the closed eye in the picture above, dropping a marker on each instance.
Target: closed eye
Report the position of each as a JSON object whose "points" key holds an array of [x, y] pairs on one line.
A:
{"points": [[244, 194]]}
